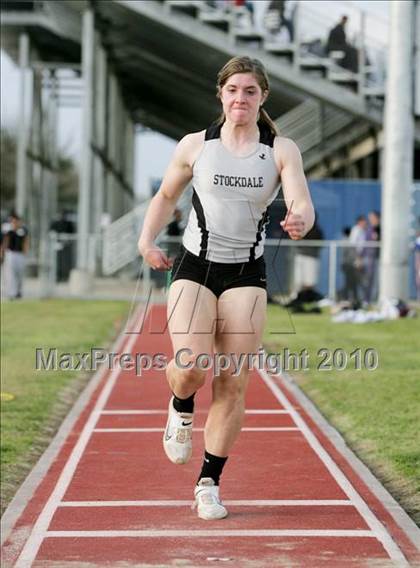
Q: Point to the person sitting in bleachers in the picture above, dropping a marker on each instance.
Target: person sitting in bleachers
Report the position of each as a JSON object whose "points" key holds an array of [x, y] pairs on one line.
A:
{"points": [[337, 41]]}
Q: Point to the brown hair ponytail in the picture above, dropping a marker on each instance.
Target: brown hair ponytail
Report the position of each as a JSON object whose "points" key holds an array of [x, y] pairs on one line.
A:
{"points": [[265, 119]]}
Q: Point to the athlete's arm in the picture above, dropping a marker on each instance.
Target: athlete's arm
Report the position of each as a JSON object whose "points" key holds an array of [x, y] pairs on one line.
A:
{"points": [[162, 206], [300, 210]]}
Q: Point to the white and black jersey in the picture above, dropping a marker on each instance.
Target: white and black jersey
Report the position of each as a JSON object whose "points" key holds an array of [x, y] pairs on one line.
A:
{"points": [[231, 195]]}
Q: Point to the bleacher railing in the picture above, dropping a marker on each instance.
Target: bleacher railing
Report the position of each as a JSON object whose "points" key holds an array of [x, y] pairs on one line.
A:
{"points": [[120, 240], [327, 264]]}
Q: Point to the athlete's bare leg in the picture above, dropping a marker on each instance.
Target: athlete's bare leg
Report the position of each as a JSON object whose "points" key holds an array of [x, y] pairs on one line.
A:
{"points": [[192, 325], [241, 314]]}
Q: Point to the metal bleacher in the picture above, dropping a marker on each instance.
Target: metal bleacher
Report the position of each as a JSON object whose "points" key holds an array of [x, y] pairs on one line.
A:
{"points": [[303, 55]]}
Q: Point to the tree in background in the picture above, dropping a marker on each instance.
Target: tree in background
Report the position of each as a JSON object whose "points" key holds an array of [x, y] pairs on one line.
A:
{"points": [[8, 169], [68, 177], [68, 183]]}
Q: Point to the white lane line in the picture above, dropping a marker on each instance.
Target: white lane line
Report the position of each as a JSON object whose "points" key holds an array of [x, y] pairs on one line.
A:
{"points": [[233, 503], [250, 429], [135, 412], [375, 525], [210, 533], [40, 528]]}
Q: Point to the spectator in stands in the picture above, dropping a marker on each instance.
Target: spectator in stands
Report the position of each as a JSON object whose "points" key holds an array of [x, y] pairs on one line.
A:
{"points": [[275, 19], [249, 5], [14, 248], [337, 37], [371, 258], [247, 18], [337, 41], [357, 238]]}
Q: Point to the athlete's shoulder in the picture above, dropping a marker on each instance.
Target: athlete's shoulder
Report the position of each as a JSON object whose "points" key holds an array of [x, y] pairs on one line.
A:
{"points": [[287, 144], [192, 139], [285, 150], [188, 147]]}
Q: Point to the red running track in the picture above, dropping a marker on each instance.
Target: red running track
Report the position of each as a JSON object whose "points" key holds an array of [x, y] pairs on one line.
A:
{"points": [[111, 497]]}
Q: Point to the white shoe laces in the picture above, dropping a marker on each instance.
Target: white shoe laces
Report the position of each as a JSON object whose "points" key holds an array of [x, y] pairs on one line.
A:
{"points": [[183, 435], [207, 496]]}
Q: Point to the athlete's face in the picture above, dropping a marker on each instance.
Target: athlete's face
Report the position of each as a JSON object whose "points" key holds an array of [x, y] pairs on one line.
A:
{"points": [[241, 98]]}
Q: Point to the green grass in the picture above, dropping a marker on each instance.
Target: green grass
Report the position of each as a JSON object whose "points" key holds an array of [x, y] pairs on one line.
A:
{"points": [[42, 398], [378, 411]]}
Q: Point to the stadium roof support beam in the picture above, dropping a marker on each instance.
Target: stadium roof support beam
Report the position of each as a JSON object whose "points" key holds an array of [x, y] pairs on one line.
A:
{"points": [[100, 136], [23, 136], [48, 190], [398, 158], [80, 277], [114, 144], [38, 160]]}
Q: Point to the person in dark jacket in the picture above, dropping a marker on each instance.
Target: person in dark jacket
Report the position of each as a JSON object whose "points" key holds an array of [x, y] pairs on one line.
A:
{"points": [[14, 248], [349, 270], [337, 40], [66, 251]]}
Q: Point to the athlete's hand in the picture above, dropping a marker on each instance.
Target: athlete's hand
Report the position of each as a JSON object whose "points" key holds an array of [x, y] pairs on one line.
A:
{"points": [[156, 258], [294, 225]]}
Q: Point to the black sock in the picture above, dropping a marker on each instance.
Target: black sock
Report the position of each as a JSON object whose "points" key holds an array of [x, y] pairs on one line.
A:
{"points": [[184, 404], [212, 467]]}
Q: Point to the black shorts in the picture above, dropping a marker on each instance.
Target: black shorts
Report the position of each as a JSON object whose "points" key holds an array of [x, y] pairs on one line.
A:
{"points": [[218, 276]]}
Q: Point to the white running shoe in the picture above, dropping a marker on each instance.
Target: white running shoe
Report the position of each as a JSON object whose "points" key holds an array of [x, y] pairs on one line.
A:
{"points": [[207, 500], [177, 438]]}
